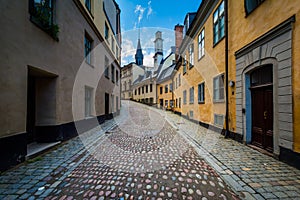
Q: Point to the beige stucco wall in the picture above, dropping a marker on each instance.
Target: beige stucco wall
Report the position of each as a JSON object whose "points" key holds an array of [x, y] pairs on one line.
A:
{"points": [[24, 44]]}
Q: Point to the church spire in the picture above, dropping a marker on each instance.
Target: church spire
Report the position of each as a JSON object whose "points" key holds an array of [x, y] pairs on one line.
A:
{"points": [[139, 57]]}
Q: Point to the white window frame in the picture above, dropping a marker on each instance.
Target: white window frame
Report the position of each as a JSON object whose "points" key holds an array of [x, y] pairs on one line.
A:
{"points": [[218, 88], [201, 44], [88, 100]]}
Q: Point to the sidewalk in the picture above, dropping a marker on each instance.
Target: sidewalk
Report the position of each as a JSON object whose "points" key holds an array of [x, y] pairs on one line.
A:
{"points": [[250, 173], [42, 174]]}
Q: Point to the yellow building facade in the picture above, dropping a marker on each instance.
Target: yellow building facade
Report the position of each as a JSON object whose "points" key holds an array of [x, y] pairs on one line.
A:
{"points": [[264, 57], [199, 78]]}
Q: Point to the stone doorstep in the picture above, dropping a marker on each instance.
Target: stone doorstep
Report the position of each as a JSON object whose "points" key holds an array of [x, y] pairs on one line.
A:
{"points": [[35, 149]]}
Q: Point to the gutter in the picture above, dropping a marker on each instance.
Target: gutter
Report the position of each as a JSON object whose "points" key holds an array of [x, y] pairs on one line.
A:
{"points": [[227, 131]]}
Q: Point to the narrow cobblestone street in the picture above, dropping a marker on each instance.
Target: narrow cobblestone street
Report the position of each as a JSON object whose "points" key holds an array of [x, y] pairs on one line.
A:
{"points": [[146, 153]]}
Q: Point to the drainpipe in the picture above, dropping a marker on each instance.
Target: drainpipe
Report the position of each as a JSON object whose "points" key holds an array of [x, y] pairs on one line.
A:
{"points": [[226, 70]]}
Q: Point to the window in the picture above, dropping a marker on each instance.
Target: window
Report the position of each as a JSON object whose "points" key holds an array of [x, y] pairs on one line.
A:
{"points": [[139, 91], [106, 65], [171, 87], [166, 103], [112, 71], [191, 114], [42, 14], [146, 88], [151, 89], [143, 90], [262, 76], [179, 80], [125, 86], [176, 83], [191, 95], [184, 65], [106, 31], [166, 89], [171, 103], [184, 97], [250, 5], [117, 52], [219, 88], [87, 48], [88, 5], [201, 44], [218, 120], [117, 77], [135, 92], [191, 52], [176, 103], [112, 44], [201, 93], [161, 90], [219, 21], [88, 101], [179, 102]]}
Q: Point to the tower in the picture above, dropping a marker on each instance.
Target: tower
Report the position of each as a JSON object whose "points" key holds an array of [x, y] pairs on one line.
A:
{"points": [[139, 57], [158, 43]]}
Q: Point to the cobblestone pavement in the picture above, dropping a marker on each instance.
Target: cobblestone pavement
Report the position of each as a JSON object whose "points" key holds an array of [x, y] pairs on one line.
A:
{"points": [[137, 156], [250, 173]]}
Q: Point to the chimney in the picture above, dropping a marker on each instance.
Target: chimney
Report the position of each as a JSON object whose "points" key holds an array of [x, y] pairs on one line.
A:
{"points": [[178, 38]]}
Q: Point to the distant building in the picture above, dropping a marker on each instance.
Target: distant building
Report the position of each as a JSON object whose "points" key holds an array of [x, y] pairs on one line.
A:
{"points": [[145, 85], [41, 56]]}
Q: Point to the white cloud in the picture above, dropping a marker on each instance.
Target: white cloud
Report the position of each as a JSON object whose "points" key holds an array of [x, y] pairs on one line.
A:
{"points": [[148, 59], [140, 10], [150, 10], [128, 51]]}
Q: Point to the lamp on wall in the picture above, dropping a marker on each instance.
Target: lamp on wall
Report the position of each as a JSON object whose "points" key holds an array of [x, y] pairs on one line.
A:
{"points": [[231, 83]]}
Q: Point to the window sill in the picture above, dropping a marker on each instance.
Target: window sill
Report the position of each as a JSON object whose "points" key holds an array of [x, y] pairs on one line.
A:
{"points": [[201, 102], [219, 101], [199, 59], [107, 77], [89, 64], [215, 44], [46, 30]]}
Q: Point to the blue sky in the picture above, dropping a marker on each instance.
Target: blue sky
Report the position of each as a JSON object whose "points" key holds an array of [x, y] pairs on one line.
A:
{"points": [[151, 16]]}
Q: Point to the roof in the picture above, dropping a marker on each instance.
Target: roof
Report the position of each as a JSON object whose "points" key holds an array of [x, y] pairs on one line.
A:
{"points": [[166, 74]]}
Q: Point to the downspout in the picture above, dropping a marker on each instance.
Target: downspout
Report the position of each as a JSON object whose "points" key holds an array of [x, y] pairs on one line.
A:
{"points": [[227, 132]]}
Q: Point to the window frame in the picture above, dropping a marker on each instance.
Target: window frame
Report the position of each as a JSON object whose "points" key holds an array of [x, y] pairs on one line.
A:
{"points": [[88, 104], [88, 42], [217, 22], [216, 116], [217, 91], [184, 65], [192, 95], [184, 93], [106, 67], [106, 32], [112, 71], [201, 44], [166, 88], [191, 56], [201, 93], [259, 2]]}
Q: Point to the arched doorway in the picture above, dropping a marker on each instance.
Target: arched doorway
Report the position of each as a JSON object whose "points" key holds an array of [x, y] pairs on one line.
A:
{"points": [[261, 87]]}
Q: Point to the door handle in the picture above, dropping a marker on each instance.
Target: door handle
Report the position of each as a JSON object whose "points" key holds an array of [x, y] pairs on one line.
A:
{"points": [[265, 114]]}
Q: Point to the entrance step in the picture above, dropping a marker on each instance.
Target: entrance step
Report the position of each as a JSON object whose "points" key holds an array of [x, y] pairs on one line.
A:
{"points": [[34, 149]]}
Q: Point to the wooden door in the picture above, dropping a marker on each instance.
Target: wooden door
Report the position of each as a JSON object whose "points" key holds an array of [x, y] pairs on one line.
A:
{"points": [[262, 117]]}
